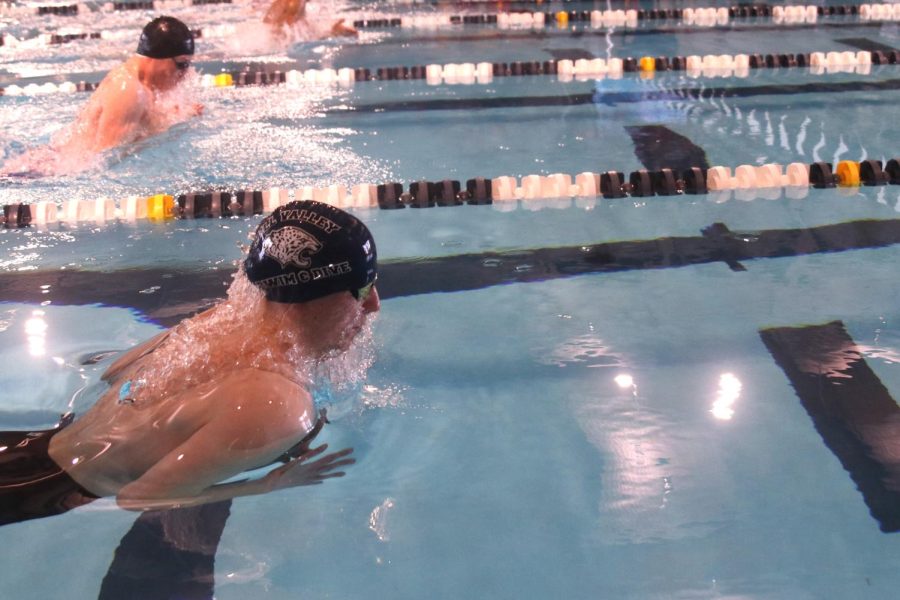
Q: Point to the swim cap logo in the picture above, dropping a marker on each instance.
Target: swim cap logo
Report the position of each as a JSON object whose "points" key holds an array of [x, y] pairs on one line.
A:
{"points": [[291, 246]]}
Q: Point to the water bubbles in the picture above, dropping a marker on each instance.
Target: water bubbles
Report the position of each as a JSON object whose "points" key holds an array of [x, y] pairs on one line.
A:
{"points": [[378, 519]]}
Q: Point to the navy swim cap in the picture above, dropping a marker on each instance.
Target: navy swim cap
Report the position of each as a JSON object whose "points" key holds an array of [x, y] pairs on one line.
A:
{"points": [[165, 37], [305, 250]]}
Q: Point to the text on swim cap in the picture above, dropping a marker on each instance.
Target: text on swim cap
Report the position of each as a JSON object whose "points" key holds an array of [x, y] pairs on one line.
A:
{"points": [[305, 216], [305, 276]]}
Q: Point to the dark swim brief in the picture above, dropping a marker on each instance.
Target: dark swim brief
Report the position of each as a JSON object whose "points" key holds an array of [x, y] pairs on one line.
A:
{"points": [[31, 484]]}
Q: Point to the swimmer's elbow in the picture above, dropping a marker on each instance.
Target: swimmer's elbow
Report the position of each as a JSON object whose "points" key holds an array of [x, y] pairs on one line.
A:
{"points": [[127, 503], [139, 497], [131, 497]]}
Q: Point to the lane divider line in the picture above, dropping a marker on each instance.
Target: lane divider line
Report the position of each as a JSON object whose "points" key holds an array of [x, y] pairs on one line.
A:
{"points": [[64, 9], [596, 19], [534, 191], [700, 16], [565, 70]]}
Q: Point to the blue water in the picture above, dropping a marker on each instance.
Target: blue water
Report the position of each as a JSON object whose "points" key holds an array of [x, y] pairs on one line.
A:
{"points": [[555, 438]]}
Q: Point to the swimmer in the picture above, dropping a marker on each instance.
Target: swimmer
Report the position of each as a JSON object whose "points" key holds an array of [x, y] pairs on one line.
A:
{"points": [[127, 106], [221, 393], [284, 14]]}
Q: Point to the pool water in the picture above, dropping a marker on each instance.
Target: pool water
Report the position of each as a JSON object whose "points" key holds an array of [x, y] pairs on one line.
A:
{"points": [[569, 397]]}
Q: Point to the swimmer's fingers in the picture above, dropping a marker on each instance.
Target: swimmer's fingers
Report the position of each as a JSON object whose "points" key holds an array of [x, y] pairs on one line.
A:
{"points": [[333, 461], [299, 472], [312, 453]]}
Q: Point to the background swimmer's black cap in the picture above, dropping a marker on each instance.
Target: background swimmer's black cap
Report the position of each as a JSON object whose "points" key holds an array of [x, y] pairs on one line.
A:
{"points": [[305, 250], [165, 37]]}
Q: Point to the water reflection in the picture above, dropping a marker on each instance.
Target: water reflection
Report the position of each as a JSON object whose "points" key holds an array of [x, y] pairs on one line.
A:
{"points": [[36, 333], [728, 393], [786, 132], [624, 381], [648, 493], [584, 350], [657, 473]]}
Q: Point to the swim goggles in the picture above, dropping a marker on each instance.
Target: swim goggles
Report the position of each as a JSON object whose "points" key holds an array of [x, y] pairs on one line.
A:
{"points": [[362, 294], [182, 65]]}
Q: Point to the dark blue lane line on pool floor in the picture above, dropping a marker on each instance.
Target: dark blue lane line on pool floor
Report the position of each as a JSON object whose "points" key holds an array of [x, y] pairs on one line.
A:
{"points": [[180, 294], [658, 147], [849, 407], [615, 98], [866, 44], [168, 555], [572, 54], [494, 35]]}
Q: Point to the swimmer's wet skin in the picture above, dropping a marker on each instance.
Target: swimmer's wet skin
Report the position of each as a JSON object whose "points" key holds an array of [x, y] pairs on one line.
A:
{"points": [[304, 291]]}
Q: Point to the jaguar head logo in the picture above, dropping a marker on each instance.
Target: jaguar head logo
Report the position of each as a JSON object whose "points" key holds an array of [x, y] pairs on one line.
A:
{"points": [[291, 246]]}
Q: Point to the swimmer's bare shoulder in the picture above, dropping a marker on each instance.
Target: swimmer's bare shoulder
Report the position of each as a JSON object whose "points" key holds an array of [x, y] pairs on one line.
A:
{"points": [[115, 370], [115, 112], [126, 360]]}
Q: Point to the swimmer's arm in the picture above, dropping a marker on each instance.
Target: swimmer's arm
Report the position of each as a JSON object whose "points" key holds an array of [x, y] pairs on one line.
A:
{"points": [[119, 122], [248, 432], [339, 28], [298, 472]]}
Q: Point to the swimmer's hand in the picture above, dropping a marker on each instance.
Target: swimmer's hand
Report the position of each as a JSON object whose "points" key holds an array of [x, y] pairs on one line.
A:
{"points": [[340, 29], [301, 471], [178, 113]]}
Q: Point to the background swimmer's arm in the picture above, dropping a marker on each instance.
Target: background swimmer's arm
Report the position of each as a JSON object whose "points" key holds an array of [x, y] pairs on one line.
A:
{"points": [[342, 29], [132, 355], [123, 109], [259, 415]]}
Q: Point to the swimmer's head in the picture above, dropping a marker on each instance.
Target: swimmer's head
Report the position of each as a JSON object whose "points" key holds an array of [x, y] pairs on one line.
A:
{"points": [[166, 37], [306, 250]]}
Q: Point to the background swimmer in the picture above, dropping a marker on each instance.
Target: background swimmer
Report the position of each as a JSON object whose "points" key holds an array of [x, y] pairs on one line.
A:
{"points": [[284, 14], [221, 393], [130, 104]]}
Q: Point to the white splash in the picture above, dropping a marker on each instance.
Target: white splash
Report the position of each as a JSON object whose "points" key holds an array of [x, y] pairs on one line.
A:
{"points": [[378, 519]]}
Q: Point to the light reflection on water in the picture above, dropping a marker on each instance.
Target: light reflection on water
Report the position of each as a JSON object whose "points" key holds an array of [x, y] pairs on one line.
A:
{"points": [[656, 476], [586, 350], [657, 471]]}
